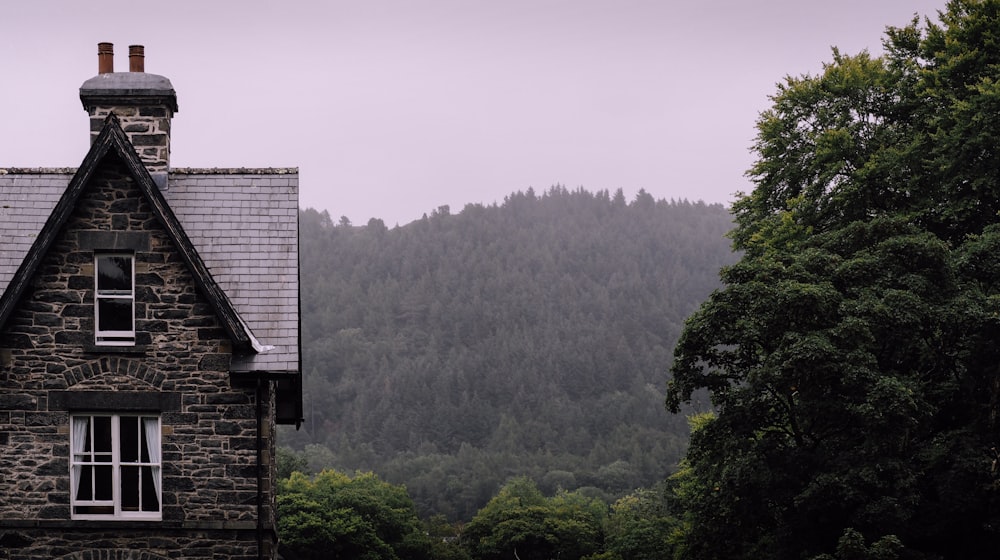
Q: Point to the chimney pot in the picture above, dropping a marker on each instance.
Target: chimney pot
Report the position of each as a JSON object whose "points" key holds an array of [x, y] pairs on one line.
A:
{"points": [[136, 58], [105, 58]]}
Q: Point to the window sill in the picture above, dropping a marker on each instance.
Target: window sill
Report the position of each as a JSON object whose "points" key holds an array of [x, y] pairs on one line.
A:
{"points": [[117, 520]]}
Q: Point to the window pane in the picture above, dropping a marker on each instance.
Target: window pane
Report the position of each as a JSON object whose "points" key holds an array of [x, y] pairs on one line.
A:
{"points": [[114, 273], [86, 491], [95, 510], [130, 488], [102, 480], [102, 433], [129, 439], [150, 502], [114, 314], [86, 439], [143, 450]]}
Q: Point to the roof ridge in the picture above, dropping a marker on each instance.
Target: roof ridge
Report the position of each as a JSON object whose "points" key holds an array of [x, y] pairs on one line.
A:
{"points": [[37, 170], [173, 170], [234, 170]]}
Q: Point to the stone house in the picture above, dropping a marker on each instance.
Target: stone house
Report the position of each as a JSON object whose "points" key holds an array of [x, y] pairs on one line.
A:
{"points": [[149, 342]]}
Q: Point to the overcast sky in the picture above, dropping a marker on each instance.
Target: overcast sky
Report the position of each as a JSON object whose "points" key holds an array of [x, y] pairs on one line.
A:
{"points": [[393, 108]]}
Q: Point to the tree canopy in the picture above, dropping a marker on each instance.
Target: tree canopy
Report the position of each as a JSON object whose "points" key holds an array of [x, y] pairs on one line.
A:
{"points": [[333, 515], [519, 522], [851, 354], [530, 337]]}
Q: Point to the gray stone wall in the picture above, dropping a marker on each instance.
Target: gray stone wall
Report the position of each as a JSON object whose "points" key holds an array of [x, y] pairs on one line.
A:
{"points": [[64, 543], [147, 128], [180, 362]]}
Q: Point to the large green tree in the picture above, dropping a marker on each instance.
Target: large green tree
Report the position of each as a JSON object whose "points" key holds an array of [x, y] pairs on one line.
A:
{"points": [[519, 522], [333, 515], [851, 356]]}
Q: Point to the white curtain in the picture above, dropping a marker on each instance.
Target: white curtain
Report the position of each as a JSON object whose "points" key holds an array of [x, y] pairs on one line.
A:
{"points": [[152, 428], [81, 425]]}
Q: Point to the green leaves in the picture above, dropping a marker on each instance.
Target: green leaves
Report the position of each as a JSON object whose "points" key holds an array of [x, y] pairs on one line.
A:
{"points": [[519, 520], [822, 138], [336, 516], [853, 346]]}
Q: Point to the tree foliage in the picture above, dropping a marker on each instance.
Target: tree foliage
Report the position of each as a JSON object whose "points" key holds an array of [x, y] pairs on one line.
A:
{"points": [[333, 515], [851, 355], [522, 338], [288, 461], [641, 526], [520, 522]]}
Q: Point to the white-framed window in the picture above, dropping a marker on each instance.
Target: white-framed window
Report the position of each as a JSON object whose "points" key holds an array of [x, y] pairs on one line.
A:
{"points": [[115, 467], [114, 299]]}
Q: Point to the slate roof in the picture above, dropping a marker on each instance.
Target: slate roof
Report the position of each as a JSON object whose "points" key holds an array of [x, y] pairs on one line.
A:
{"points": [[27, 197], [243, 223]]}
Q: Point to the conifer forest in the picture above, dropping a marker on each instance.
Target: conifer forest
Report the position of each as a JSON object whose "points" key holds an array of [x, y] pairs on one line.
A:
{"points": [[528, 338]]}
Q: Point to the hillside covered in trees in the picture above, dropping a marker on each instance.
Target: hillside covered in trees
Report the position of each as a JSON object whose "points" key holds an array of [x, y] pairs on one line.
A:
{"points": [[528, 338]]}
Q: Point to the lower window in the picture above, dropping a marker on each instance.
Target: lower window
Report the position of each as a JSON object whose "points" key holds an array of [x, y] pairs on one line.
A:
{"points": [[115, 466]]}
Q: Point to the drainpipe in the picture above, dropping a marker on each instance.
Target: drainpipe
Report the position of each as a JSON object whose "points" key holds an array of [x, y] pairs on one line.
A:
{"points": [[260, 472]]}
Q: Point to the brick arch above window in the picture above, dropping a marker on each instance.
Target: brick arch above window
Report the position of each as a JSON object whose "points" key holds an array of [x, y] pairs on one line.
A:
{"points": [[113, 366]]}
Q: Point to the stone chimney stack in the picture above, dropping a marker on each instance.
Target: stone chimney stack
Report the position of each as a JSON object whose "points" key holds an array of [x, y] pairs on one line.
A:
{"points": [[144, 104]]}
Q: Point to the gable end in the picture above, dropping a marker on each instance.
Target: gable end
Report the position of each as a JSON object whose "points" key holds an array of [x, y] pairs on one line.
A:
{"points": [[112, 140]]}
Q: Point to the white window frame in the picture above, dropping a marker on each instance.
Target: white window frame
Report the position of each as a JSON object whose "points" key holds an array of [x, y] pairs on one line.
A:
{"points": [[80, 459], [109, 337]]}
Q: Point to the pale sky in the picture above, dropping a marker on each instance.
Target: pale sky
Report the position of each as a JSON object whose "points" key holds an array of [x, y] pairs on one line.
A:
{"points": [[392, 108]]}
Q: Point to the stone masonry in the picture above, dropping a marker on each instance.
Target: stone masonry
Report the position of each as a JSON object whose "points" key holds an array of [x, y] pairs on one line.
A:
{"points": [[179, 365], [147, 128]]}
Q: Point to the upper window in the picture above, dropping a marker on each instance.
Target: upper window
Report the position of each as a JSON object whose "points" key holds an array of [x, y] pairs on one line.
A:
{"points": [[114, 299], [115, 466]]}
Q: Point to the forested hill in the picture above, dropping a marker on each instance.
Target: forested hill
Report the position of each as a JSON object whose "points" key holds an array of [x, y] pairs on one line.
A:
{"points": [[531, 337]]}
